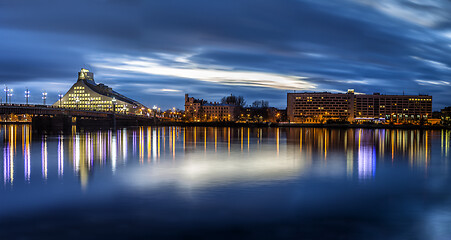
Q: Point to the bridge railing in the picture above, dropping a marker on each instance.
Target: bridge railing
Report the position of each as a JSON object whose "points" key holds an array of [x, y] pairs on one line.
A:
{"points": [[54, 110]]}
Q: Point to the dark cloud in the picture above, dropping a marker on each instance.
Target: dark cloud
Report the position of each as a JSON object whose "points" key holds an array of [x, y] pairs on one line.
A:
{"points": [[335, 45]]}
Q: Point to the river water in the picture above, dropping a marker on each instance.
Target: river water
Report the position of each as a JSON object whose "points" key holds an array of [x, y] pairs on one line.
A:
{"points": [[223, 183]]}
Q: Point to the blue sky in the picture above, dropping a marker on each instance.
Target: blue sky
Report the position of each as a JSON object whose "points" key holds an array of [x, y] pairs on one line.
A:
{"points": [[156, 51]]}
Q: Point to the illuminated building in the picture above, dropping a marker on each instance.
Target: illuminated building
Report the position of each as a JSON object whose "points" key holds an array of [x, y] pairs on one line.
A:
{"points": [[85, 94], [199, 109], [319, 107]]}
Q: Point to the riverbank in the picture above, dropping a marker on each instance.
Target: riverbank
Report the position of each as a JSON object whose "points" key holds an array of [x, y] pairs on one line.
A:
{"points": [[247, 125], [301, 125]]}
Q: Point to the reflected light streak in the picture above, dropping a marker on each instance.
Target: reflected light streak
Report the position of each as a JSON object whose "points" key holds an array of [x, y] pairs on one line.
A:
{"points": [[27, 155], [195, 137], [149, 143], [367, 159], [77, 153], [158, 144], [154, 144], [277, 140], [44, 157], [100, 146], [133, 143], [216, 139], [8, 162], [113, 153], [141, 145], [241, 138], [60, 156], [228, 140], [248, 136], [173, 142], [124, 143]]}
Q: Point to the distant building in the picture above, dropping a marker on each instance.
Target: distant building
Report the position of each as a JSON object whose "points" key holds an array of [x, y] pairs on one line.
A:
{"points": [[85, 94], [445, 116], [262, 114], [320, 107], [201, 110]]}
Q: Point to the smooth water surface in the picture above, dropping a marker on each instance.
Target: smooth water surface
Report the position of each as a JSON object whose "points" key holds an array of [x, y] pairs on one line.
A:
{"points": [[245, 183]]}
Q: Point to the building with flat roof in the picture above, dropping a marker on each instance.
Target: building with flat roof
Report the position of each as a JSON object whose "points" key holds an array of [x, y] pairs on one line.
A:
{"points": [[85, 94], [201, 110], [320, 107]]}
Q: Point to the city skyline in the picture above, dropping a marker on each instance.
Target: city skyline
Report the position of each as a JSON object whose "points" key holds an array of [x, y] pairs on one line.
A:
{"points": [[256, 49]]}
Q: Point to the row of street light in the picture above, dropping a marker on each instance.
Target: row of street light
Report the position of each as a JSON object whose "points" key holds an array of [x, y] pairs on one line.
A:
{"points": [[9, 93]]}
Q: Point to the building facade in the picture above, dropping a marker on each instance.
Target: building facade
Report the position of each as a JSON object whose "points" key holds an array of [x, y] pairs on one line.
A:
{"points": [[201, 110], [85, 94], [321, 107]]}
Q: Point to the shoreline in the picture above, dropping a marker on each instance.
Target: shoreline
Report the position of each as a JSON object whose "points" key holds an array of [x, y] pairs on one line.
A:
{"points": [[263, 125], [300, 125]]}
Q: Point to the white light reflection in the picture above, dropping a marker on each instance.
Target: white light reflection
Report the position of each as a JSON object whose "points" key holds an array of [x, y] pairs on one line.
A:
{"points": [[8, 169], [60, 156], [124, 144], [113, 153], [367, 159], [27, 155], [154, 144], [198, 170], [44, 157], [149, 141], [77, 154]]}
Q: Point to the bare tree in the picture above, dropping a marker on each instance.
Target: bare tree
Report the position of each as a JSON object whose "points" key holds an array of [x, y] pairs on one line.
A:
{"points": [[260, 104], [234, 100]]}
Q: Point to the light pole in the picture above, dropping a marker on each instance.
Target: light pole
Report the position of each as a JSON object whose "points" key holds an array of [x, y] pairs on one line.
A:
{"points": [[114, 104], [10, 94], [27, 95], [60, 97], [6, 94], [44, 97]]}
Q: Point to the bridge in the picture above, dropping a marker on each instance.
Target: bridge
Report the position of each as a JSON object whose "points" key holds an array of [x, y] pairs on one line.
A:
{"points": [[43, 116]]}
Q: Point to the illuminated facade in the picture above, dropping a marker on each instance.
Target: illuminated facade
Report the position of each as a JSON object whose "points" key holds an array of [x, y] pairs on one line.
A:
{"points": [[199, 109], [320, 107], [317, 107], [85, 94]]}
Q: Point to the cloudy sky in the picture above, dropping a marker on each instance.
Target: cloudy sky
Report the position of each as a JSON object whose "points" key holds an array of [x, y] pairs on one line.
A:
{"points": [[156, 51]]}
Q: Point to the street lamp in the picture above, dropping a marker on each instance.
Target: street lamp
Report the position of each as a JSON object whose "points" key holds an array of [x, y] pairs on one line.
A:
{"points": [[6, 94], [27, 95], [10, 94], [60, 97], [114, 104], [44, 96]]}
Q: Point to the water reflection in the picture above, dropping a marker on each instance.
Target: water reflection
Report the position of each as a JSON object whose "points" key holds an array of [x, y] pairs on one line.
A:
{"points": [[218, 155]]}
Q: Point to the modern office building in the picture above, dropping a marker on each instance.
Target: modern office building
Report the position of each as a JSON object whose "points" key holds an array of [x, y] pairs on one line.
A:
{"points": [[320, 107], [201, 110], [85, 94]]}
